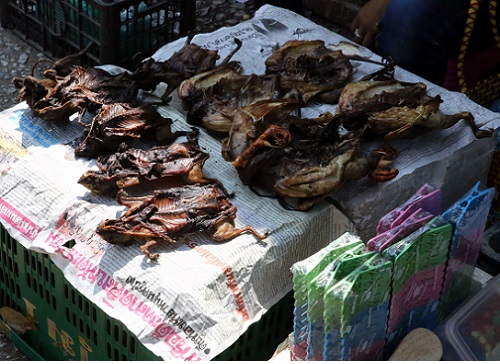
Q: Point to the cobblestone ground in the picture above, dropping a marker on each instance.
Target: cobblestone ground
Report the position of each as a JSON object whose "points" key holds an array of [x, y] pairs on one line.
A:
{"points": [[212, 15], [16, 59], [8, 351]]}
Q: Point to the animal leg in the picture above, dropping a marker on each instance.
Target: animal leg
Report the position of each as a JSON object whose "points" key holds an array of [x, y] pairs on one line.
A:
{"points": [[230, 55], [479, 133], [383, 170], [148, 245], [274, 137], [226, 230]]}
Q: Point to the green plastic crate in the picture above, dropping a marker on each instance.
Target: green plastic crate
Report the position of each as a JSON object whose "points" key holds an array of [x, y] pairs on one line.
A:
{"points": [[71, 327], [117, 30]]}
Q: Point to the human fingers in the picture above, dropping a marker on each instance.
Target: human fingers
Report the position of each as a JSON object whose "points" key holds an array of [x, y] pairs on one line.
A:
{"points": [[354, 31], [369, 39], [354, 24], [358, 36]]}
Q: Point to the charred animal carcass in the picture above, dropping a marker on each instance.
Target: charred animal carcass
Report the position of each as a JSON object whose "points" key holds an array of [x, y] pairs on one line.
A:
{"points": [[361, 97], [65, 65], [166, 215], [310, 68], [190, 60], [119, 123], [193, 90], [83, 89], [249, 122], [401, 121], [33, 89], [395, 109], [308, 160], [98, 87], [313, 179], [213, 98], [168, 166]]}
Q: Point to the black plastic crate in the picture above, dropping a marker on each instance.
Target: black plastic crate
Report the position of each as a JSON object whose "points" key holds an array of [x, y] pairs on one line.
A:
{"points": [[115, 30]]}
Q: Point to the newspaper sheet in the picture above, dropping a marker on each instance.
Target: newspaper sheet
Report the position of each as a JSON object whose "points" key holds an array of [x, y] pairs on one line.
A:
{"points": [[201, 295]]}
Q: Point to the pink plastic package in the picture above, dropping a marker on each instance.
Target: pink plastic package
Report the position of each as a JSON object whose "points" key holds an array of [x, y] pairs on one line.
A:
{"points": [[427, 198], [385, 239]]}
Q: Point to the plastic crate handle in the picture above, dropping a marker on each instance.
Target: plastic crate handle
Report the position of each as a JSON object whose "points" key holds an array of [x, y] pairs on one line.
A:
{"points": [[52, 14]]}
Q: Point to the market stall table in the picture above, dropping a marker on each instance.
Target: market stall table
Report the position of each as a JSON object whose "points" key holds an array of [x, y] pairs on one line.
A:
{"points": [[202, 295]]}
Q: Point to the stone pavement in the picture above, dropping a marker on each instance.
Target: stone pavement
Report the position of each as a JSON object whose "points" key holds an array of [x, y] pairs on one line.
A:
{"points": [[8, 351], [18, 58]]}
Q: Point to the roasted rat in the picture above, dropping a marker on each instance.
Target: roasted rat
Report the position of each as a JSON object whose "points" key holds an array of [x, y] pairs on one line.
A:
{"points": [[170, 166], [83, 89], [309, 160], [395, 109], [166, 215], [401, 121], [119, 123], [249, 122], [190, 60], [310, 68], [361, 97], [212, 98]]}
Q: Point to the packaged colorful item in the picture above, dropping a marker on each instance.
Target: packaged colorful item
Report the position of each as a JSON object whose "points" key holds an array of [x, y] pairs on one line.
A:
{"points": [[419, 265], [334, 271], [427, 198], [356, 310], [468, 217], [303, 272], [394, 234]]}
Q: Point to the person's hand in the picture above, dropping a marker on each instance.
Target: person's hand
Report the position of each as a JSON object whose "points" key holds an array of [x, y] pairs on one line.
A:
{"points": [[364, 26]]}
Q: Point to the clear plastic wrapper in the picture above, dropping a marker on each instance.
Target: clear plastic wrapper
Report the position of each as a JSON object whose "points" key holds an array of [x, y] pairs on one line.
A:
{"points": [[427, 198], [468, 217], [336, 270], [419, 265], [303, 272], [356, 310], [394, 234]]}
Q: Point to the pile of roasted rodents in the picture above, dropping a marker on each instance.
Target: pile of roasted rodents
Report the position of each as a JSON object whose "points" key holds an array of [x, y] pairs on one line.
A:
{"points": [[277, 153]]}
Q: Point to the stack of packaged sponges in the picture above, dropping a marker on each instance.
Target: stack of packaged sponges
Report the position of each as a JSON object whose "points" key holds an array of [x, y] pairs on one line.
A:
{"points": [[467, 216], [356, 301], [303, 273], [419, 265]]}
